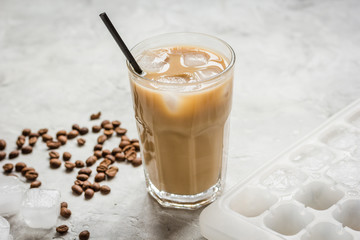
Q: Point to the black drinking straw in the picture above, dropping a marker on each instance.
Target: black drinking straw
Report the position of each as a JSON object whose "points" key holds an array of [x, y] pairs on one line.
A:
{"points": [[120, 42]]}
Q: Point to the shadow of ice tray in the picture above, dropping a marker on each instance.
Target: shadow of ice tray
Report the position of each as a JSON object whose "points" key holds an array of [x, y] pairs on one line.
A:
{"points": [[309, 192]]}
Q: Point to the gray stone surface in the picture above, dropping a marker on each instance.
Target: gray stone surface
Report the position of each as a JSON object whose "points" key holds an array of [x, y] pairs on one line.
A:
{"points": [[298, 63]]}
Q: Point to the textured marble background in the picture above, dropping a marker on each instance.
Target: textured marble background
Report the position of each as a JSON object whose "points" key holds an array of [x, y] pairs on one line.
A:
{"points": [[298, 63]]}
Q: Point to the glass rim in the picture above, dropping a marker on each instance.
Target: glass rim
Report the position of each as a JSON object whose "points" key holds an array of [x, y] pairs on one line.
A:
{"points": [[206, 80]]}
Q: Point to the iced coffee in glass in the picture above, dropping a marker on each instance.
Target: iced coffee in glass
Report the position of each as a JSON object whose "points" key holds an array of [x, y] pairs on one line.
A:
{"points": [[182, 103]]}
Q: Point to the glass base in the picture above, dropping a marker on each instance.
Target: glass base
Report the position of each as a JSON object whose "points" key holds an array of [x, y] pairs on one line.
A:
{"points": [[190, 202]]}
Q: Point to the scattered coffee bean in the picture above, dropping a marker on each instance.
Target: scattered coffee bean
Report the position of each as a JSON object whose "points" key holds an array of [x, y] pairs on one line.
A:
{"points": [[65, 212], [101, 168], [95, 116], [116, 123], [26, 132], [77, 189], [104, 189], [90, 161], [120, 131], [53, 145], [101, 139], [136, 162], [130, 155], [106, 162], [84, 235], [111, 172], [124, 143], [110, 157], [81, 141], [31, 175], [2, 144], [32, 141], [35, 184], [26, 150], [78, 182], [86, 171], [55, 163], [134, 140], [98, 154], [14, 154], [128, 148], [100, 177], [61, 133], [69, 166], [26, 169], [34, 134], [75, 127], [8, 167], [66, 156], [82, 177], [103, 123], [98, 147], [96, 128], [83, 130], [62, 139], [63, 205], [116, 150], [89, 193], [136, 146], [54, 154], [125, 138], [19, 166], [42, 131], [108, 133], [96, 187], [73, 134], [20, 141], [79, 164], [120, 157], [105, 152], [108, 126], [62, 229], [86, 185], [2, 155], [46, 137]]}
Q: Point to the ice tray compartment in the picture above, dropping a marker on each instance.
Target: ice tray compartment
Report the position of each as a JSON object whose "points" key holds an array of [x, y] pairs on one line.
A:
{"points": [[326, 231], [345, 172], [342, 138], [349, 214]]}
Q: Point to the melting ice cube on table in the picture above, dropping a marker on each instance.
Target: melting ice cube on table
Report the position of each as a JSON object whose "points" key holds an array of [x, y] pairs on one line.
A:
{"points": [[4, 229], [11, 195], [40, 208]]}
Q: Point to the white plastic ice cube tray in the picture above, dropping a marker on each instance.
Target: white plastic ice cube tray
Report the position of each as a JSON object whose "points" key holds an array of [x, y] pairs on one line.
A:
{"points": [[309, 192]]}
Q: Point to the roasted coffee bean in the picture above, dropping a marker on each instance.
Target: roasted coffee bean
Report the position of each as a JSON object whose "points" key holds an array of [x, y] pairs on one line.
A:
{"points": [[103, 123], [63, 205], [34, 134], [86, 171], [53, 145], [125, 138], [26, 132], [116, 150], [101, 139], [19, 166], [72, 134], [2, 144], [62, 229], [105, 152], [61, 133], [26, 169], [89, 193], [108, 126], [96, 128], [54, 154], [35, 184], [104, 189], [120, 157], [98, 147], [77, 189], [69, 166], [116, 123], [128, 148], [90, 161], [86, 185], [134, 140], [98, 154], [84, 235], [2, 155], [120, 131], [82, 177], [8, 167], [32, 141], [79, 164], [75, 127], [96, 187], [81, 141], [46, 137], [130, 155], [62, 139], [111, 172], [20, 142], [26, 150], [100, 177], [42, 131], [136, 146], [106, 162], [136, 162], [108, 133], [65, 212], [101, 168], [124, 143], [55, 163], [83, 130], [13, 154], [110, 157], [95, 116], [31, 175], [66, 156], [78, 182]]}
